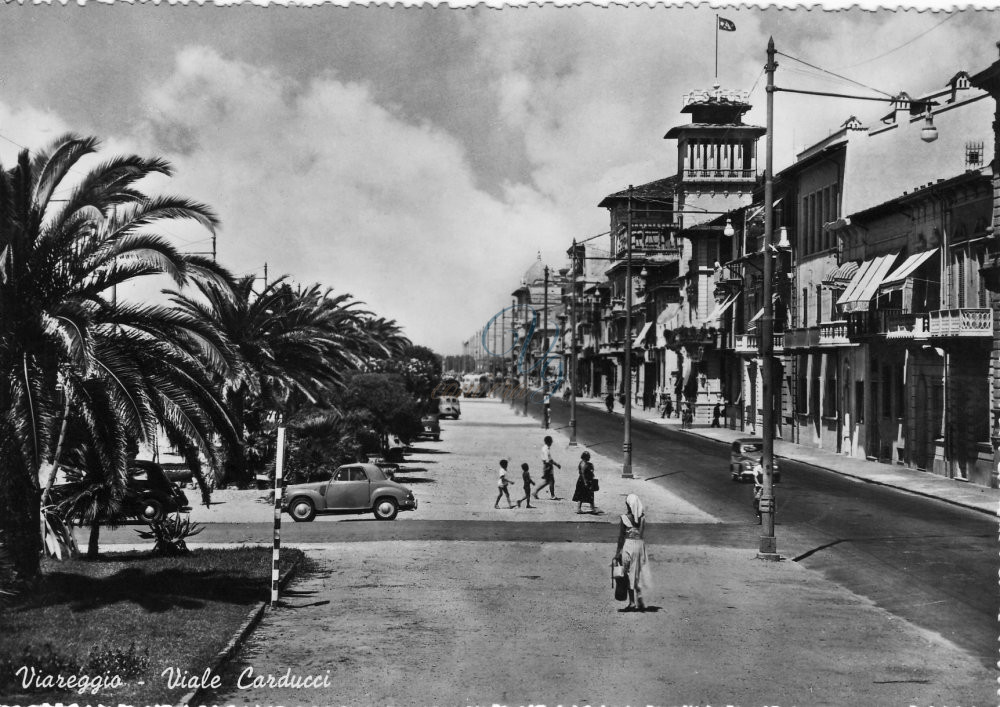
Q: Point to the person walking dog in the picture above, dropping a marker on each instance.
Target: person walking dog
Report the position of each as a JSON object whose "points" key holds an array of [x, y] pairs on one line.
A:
{"points": [[548, 469], [528, 483], [502, 483]]}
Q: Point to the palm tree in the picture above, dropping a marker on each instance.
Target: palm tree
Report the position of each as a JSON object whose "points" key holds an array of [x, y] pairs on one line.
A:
{"points": [[66, 347], [288, 348]]}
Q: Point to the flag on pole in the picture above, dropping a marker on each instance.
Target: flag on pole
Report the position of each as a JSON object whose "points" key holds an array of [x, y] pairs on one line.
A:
{"points": [[727, 25]]}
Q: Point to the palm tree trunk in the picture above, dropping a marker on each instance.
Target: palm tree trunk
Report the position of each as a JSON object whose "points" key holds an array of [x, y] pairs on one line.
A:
{"points": [[55, 457], [20, 519], [93, 546]]}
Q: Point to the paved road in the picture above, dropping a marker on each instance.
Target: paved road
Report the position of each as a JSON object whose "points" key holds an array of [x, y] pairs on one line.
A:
{"points": [[930, 562]]}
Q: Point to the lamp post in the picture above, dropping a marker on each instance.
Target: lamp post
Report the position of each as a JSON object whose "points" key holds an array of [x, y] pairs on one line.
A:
{"points": [[572, 356], [768, 544], [627, 358]]}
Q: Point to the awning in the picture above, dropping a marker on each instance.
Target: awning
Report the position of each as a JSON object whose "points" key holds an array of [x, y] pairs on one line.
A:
{"points": [[640, 340], [722, 307], [865, 282], [757, 316], [842, 274], [897, 277]]}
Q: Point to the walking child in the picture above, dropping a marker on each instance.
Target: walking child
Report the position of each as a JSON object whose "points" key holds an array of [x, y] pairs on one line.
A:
{"points": [[548, 471], [502, 483], [528, 483]]}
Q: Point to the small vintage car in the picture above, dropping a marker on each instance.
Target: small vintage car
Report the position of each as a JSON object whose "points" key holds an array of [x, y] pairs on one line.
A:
{"points": [[150, 495], [449, 407], [432, 427], [744, 456], [352, 488]]}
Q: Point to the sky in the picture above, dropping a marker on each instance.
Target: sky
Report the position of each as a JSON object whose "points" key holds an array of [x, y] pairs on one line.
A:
{"points": [[421, 159]]}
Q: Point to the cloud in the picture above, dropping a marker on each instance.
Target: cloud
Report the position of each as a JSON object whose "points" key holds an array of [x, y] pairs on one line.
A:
{"points": [[323, 183]]}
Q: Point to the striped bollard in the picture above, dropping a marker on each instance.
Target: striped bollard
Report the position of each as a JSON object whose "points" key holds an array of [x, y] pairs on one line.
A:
{"points": [[276, 553]]}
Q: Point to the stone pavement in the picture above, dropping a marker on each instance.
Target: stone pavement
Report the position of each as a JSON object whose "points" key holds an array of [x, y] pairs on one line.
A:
{"points": [[924, 483]]}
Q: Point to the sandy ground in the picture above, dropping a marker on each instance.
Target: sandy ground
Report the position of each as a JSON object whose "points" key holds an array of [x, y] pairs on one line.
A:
{"points": [[456, 478], [418, 623]]}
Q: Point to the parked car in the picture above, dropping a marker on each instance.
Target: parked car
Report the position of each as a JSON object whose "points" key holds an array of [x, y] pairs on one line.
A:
{"points": [[149, 494], [744, 456], [449, 407], [352, 488], [432, 427]]}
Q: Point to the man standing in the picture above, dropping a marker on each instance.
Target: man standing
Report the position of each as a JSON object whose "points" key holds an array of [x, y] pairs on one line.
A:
{"points": [[548, 471]]}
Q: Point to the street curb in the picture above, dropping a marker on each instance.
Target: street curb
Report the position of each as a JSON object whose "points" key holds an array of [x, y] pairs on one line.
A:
{"points": [[865, 479], [240, 637]]}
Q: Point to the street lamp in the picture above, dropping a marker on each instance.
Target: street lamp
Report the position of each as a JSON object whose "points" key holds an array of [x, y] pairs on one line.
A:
{"points": [[768, 543]]}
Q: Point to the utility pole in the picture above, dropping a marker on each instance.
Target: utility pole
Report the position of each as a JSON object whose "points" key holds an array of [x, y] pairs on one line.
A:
{"points": [[543, 371], [768, 543], [572, 356], [627, 445]]}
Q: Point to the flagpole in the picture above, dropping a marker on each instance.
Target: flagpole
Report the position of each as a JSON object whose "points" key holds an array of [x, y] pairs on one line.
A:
{"points": [[716, 48]]}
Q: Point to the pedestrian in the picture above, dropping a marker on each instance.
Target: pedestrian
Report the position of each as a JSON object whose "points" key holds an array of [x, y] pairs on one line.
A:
{"points": [[548, 469], [631, 553], [668, 407], [585, 483], [647, 400], [528, 483], [502, 483], [716, 415], [609, 401]]}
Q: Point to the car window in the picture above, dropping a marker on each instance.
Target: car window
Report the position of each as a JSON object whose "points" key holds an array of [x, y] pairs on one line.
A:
{"points": [[747, 448], [358, 475], [343, 474], [140, 474]]}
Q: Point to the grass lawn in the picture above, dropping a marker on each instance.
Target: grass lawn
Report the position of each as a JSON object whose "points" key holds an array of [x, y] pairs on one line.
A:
{"points": [[182, 610]]}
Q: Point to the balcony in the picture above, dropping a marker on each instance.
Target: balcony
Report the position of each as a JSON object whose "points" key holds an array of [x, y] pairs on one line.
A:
{"points": [[833, 334], [651, 241], [719, 175], [961, 322], [750, 343], [897, 324]]}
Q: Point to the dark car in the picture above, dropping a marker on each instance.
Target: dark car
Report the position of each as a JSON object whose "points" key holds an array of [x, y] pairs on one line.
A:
{"points": [[352, 488], [149, 494], [745, 455], [432, 427]]}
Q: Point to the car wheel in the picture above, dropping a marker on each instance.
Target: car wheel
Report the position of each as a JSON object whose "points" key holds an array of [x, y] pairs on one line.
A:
{"points": [[153, 510], [301, 510], [437, 438], [385, 509]]}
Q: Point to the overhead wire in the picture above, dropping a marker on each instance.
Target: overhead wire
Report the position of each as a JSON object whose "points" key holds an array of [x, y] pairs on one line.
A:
{"points": [[951, 16], [831, 73]]}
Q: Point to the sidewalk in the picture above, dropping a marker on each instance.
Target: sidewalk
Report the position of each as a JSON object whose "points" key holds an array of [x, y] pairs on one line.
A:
{"points": [[959, 493]]}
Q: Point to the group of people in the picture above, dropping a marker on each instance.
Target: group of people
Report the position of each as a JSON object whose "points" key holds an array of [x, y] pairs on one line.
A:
{"points": [[630, 552], [586, 483]]}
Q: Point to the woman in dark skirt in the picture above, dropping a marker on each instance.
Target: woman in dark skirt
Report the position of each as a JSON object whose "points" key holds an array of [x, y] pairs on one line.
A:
{"points": [[584, 492]]}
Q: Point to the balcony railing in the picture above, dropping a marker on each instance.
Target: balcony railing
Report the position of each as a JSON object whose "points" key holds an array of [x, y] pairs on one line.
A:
{"points": [[897, 324], [750, 343], [720, 175], [833, 334], [961, 322]]}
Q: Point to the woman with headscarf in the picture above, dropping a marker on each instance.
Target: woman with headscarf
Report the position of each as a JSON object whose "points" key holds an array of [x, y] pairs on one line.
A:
{"points": [[584, 492], [632, 552]]}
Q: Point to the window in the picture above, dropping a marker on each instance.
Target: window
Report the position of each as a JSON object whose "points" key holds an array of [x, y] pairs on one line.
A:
{"points": [[805, 306], [358, 474], [343, 474]]}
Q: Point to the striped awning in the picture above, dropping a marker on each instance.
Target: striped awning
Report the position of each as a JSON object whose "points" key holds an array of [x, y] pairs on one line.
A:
{"points": [[640, 340], [721, 308], [842, 274], [858, 295], [896, 279]]}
